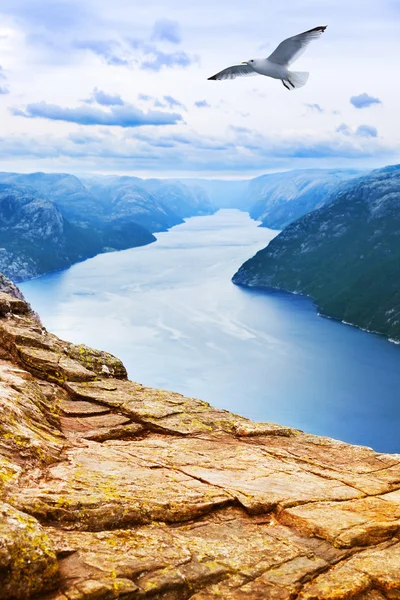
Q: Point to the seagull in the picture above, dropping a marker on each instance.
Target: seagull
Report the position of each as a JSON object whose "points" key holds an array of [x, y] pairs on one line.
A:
{"points": [[276, 65]]}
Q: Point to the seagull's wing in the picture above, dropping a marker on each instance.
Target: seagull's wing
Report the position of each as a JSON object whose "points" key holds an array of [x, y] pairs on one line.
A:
{"points": [[235, 71], [289, 50]]}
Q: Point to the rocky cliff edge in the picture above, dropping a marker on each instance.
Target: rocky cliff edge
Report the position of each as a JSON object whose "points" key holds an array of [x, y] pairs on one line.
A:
{"points": [[109, 489]]}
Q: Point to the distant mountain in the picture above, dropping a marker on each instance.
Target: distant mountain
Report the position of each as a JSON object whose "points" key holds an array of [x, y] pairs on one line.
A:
{"points": [[276, 199], [50, 221], [36, 238], [69, 194], [154, 204], [279, 199], [225, 193], [123, 198], [345, 255], [185, 200]]}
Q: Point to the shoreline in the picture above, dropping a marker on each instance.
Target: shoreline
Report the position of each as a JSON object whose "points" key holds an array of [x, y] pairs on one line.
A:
{"points": [[272, 289]]}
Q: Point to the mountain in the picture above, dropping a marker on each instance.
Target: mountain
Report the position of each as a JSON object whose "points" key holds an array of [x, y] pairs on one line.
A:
{"points": [[279, 199], [276, 199], [66, 191], [35, 238], [185, 200], [50, 221], [154, 204], [125, 199], [113, 490], [346, 255]]}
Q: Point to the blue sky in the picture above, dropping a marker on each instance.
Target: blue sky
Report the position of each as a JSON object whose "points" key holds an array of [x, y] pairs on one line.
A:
{"points": [[100, 86]]}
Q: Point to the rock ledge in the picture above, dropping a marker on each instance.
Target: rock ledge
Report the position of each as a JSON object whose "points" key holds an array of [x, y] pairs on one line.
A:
{"points": [[109, 489]]}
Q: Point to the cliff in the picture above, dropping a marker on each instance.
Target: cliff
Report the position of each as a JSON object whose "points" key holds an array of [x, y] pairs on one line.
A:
{"points": [[109, 489]]}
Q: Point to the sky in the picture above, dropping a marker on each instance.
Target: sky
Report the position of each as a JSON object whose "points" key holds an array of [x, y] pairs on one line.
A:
{"points": [[121, 87]]}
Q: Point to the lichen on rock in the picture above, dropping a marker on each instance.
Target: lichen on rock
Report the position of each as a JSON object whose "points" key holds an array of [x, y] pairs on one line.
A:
{"points": [[28, 563], [110, 489]]}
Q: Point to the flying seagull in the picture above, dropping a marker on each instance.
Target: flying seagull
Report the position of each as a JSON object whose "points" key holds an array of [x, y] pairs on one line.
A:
{"points": [[277, 65]]}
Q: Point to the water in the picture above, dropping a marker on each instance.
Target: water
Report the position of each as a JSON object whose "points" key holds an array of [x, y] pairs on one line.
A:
{"points": [[171, 313]]}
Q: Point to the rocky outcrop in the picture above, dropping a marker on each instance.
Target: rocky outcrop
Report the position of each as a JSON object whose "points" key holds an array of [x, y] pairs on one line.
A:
{"points": [[10, 288], [109, 489]]}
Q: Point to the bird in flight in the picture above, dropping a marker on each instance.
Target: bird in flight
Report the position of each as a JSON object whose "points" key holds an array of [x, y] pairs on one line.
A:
{"points": [[277, 65]]}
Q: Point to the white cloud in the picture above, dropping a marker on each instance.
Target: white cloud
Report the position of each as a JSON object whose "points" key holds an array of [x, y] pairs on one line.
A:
{"points": [[56, 53]]}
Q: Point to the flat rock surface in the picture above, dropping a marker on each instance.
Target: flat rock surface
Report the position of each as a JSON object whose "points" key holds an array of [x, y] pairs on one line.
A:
{"points": [[109, 489]]}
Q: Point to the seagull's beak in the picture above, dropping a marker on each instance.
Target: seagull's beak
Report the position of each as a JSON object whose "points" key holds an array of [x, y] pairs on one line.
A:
{"points": [[244, 63]]}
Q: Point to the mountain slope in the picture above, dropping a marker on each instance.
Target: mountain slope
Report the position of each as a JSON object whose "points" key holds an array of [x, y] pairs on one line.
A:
{"points": [[66, 191], [185, 200], [345, 255], [276, 199], [154, 204], [50, 221], [279, 199], [35, 238]]}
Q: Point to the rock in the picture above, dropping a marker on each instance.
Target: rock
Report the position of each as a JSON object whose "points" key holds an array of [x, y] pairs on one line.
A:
{"points": [[8, 287], [109, 489], [9, 304], [100, 362], [28, 564], [74, 408]]}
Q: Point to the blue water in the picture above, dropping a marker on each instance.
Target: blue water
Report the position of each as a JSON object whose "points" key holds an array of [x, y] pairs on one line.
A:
{"points": [[171, 313]]}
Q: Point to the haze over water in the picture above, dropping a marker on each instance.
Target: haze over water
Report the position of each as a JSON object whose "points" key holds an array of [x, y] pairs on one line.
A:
{"points": [[171, 313]]}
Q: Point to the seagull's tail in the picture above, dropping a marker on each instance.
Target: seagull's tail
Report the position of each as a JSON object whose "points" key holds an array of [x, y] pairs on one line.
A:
{"points": [[298, 78]]}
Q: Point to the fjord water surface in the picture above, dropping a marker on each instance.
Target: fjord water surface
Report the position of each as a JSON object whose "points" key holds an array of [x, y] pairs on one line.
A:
{"points": [[171, 313]]}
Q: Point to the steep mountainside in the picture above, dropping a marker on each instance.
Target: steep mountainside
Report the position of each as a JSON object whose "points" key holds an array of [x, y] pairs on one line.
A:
{"points": [[345, 255], [280, 198], [111, 490], [35, 237]]}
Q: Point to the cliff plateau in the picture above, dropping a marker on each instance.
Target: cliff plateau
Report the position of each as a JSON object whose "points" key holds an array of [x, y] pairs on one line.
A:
{"points": [[109, 489]]}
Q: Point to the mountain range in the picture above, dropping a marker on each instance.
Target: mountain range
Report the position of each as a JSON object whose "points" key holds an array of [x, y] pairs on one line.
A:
{"points": [[50, 221]]}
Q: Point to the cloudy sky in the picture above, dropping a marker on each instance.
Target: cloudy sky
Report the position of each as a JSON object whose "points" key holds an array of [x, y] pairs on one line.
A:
{"points": [[118, 86]]}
